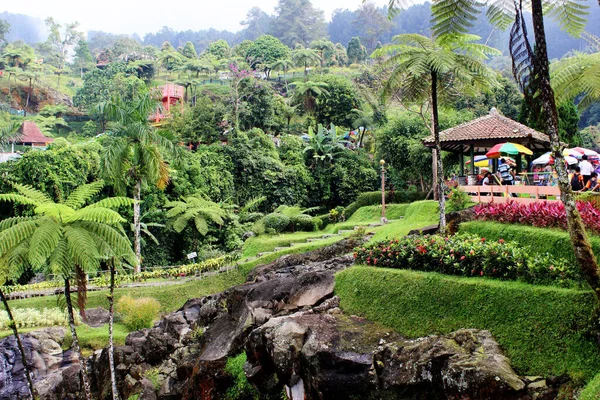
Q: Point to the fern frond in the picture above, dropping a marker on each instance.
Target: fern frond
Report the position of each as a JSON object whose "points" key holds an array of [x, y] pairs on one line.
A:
{"points": [[83, 193], [454, 16], [201, 225], [8, 222], [14, 235], [253, 204], [119, 244], [60, 262], [501, 13], [19, 199], [113, 202], [96, 214], [32, 193], [570, 14], [57, 211], [82, 249], [44, 241]]}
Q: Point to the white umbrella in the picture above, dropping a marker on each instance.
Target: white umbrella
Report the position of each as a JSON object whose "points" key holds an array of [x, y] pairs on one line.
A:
{"points": [[543, 160]]}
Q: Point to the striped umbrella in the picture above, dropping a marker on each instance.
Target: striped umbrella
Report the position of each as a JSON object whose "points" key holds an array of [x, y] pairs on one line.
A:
{"points": [[507, 148]]}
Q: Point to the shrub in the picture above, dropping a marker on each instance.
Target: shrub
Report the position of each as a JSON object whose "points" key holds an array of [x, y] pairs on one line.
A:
{"points": [[250, 217], [544, 214], [33, 318], [240, 388], [458, 200], [138, 313], [539, 240], [302, 222], [277, 222], [469, 255], [543, 330], [317, 223], [374, 198]]}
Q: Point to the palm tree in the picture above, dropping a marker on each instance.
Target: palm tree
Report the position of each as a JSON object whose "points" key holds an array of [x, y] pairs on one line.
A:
{"points": [[579, 76], [283, 65], [9, 134], [531, 69], [69, 238], [308, 92], [306, 57], [422, 67], [134, 155], [197, 209]]}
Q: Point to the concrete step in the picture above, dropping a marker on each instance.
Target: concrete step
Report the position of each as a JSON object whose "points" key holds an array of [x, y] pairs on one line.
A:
{"points": [[310, 240], [264, 253], [281, 248], [343, 231]]}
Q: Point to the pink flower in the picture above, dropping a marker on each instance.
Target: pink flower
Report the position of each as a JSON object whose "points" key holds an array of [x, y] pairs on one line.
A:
{"points": [[481, 273]]}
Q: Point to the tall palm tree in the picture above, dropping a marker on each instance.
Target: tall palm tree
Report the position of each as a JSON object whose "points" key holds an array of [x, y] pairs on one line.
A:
{"points": [[579, 76], [422, 67], [308, 92], [197, 209], [531, 69], [69, 238], [307, 58], [134, 155]]}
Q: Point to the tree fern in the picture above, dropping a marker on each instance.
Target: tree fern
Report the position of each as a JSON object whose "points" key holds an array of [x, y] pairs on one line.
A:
{"points": [[83, 193], [200, 210]]}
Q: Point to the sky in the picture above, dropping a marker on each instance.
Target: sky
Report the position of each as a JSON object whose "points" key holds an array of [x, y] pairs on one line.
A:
{"points": [[122, 16]]}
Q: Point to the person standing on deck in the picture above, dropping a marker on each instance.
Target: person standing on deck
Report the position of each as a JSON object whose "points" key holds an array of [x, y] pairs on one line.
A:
{"points": [[586, 169], [505, 172]]}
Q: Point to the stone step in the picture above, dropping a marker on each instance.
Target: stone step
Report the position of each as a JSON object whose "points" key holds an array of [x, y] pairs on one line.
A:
{"points": [[343, 231], [264, 253], [375, 225], [329, 235], [281, 248], [310, 240]]}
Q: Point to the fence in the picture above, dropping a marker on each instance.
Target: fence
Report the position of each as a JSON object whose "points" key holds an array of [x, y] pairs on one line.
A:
{"points": [[508, 193]]}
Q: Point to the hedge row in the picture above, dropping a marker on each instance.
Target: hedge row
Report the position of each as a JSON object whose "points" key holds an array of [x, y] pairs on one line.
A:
{"points": [[541, 329], [374, 198], [542, 240]]}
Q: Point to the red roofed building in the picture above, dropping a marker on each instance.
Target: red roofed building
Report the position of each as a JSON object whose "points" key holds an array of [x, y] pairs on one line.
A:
{"points": [[32, 136]]}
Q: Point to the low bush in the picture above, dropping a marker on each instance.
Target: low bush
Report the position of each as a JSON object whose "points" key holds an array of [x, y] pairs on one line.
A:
{"points": [[374, 198], [470, 255], [302, 222], [543, 214], [539, 240], [241, 388], [138, 313], [543, 330], [277, 222], [32, 318], [458, 200]]}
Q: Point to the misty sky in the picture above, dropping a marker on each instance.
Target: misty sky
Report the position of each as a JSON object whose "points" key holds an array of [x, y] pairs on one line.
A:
{"points": [[122, 16]]}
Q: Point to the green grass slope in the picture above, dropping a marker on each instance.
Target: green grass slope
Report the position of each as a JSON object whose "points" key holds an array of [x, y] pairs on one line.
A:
{"points": [[541, 329]]}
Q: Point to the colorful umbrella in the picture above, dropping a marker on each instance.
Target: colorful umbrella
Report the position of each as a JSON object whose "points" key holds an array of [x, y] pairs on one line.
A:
{"points": [[548, 159], [507, 148], [579, 151]]}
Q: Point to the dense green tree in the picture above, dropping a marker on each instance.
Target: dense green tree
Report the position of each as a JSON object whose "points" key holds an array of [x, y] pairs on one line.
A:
{"points": [[370, 23], [68, 238], [266, 50], [18, 55], [340, 55], [257, 24], [306, 58], [296, 21], [340, 27], [356, 52], [4, 29], [505, 97], [424, 66], [83, 59], [307, 93], [258, 106], [340, 104], [219, 49], [199, 123], [189, 51], [568, 121], [325, 49], [169, 58]]}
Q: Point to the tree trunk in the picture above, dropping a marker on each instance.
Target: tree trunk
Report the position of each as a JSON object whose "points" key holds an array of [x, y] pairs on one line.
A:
{"points": [[75, 342], [13, 326], [439, 168], [137, 240], [581, 245], [111, 347]]}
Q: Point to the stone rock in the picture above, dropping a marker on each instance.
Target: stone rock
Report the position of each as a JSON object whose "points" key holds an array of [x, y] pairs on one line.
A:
{"points": [[96, 317]]}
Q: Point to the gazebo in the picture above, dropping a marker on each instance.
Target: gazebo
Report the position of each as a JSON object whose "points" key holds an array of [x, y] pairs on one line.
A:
{"points": [[32, 136], [481, 134]]}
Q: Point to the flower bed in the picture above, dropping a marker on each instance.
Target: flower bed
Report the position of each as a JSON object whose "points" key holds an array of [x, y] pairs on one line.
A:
{"points": [[543, 214], [469, 255], [122, 278]]}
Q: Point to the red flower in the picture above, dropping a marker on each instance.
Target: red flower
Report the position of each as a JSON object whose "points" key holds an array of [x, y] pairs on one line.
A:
{"points": [[463, 257], [501, 241], [482, 240], [481, 273], [552, 267]]}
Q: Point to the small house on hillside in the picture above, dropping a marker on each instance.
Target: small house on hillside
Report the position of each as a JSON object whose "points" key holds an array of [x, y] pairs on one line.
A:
{"points": [[32, 136]]}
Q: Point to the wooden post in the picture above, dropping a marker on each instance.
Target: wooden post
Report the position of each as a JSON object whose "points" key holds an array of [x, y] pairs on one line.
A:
{"points": [[472, 156], [518, 159], [462, 163]]}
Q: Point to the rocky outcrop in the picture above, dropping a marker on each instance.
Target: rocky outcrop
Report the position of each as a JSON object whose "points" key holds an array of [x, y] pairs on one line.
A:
{"points": [[288, 322], [50, 366]]}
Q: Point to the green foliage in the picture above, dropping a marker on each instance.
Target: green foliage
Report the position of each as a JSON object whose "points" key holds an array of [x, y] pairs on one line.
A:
{"points": [[373, 213], [219, 49], [470, 255], [199, 123], [32, 318], [372, 198], [541, 240], [298, 22], [458, 200], [240, 388], [356, 52], [259, 106], [266, 50], [277, 222], [137, 313], [542, 330], [592, 390], [196, 209], [339, 104]]}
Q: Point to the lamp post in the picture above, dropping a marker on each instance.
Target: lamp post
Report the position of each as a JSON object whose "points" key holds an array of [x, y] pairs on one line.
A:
{"points": [[382, 163]]}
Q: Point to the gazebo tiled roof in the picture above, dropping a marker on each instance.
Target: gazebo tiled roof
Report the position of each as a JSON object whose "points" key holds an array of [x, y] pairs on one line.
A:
{"points": [[484, 132], [31, 135]]}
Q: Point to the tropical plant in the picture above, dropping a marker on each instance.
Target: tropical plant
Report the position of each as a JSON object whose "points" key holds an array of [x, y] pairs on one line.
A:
{"points": [[9, 134], [68, 238], [424, 69], [532, 72], [134, 155], [197, 209], [283, 65], [325, 144], [308, 92], [579, 76], [307, 58]]}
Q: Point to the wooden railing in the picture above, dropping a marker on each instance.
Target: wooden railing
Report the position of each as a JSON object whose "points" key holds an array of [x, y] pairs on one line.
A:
{"points": [[518, 194]]}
